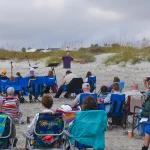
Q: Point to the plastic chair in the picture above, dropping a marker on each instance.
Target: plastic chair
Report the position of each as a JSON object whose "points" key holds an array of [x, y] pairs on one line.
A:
{"points": [[84, 95], [92, 82], [48, 132], [6, 142], [88, 130], [117, 111]]}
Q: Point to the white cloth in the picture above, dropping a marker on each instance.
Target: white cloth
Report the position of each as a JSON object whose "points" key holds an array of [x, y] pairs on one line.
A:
{"points": [[68, 78], [31, 126], [134, 93]]}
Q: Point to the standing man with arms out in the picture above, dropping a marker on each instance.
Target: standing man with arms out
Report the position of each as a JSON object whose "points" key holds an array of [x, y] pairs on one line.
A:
{"points": [[67, 62]]}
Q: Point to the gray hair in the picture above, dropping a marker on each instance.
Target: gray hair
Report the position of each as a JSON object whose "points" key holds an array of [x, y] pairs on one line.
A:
{"points": [[10, 91]]}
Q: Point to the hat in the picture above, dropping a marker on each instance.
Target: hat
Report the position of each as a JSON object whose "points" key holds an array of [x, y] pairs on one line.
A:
{"points": [[85, 86], [32, 69], [66, 108], [10, 91], [4, 72]]}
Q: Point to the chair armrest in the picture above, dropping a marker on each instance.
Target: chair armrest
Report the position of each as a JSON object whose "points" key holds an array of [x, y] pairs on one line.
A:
{"points": [[28, 136], [66, 133]]}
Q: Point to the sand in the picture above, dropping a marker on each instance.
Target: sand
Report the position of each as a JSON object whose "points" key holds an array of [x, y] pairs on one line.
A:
{"points": [[115, 139]]}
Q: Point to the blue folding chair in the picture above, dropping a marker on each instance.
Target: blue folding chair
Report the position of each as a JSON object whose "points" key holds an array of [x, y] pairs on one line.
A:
{"points": [[35, 89], [42, 79], [3, 84], [84, 95], [117, 111], [48, 132], [17, 80], [23, 82], [92, 82], [121, 85], [50, 81]]}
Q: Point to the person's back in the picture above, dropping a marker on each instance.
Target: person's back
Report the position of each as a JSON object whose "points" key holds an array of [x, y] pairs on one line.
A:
{"points": [[69, 77]]}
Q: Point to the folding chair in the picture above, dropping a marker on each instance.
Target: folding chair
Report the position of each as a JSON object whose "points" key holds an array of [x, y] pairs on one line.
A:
{"points": [[117, 111], [121, 85], [10, 106], [69, 116], [84, 95], [75, 86], [6, 142], [35, 89], [87, 131], [23, 82], [92, 82], [48, 132], [3, 84]]}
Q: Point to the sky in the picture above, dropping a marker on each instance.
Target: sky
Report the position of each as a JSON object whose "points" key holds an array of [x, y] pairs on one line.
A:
{"points": [[72, 23]]}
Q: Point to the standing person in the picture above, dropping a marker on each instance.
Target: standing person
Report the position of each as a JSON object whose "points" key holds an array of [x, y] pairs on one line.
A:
{"points": [[67, 62]]}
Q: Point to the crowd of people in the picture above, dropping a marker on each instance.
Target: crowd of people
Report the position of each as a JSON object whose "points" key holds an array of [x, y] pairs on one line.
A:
{"points": [[104, 94]]}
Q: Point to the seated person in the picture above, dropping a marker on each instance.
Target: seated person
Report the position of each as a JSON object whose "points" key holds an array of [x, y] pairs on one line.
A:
{"points": [[53, 88], [103, 92], [116, 79], [69, 76], [148, 90], [11, 92], [13, 133], [47, 102], [32, 73], [115, 90], [3, 75], [147, 138], [18, 75], [145, 81], [89, 74], [86, 89], [12, 79], [89, 104], [134, 91]]}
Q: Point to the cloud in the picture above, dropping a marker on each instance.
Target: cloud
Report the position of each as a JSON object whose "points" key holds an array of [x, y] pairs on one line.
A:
{"points": [[43, 23]]}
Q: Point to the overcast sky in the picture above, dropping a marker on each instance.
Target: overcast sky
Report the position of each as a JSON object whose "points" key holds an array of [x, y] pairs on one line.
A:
{"points": [[43, 23]]}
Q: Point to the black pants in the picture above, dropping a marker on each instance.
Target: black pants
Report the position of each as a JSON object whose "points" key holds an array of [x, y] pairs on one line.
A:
{"points": [[59, 92]]}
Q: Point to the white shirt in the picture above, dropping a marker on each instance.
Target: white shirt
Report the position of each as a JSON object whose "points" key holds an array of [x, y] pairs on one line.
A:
{"points": [[133, 93], [32, 125], [68, 78]]}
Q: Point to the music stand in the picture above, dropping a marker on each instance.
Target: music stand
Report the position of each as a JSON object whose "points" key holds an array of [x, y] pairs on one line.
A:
{"points": [[52, 65]]}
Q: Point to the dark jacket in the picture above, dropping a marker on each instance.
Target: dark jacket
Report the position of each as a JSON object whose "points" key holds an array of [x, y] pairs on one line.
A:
{"points": [[146, 108]]}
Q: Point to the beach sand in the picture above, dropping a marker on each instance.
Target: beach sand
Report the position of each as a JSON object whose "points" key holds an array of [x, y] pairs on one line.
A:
{"points": [[115, 139]]}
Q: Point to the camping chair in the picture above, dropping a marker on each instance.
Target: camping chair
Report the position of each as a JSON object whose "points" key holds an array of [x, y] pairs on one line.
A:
{"points": [[23, 82], [87, 131], [3, 84], [117, 111], [75, 86], [84, 95], [6, 142], [10, 106], [121, 85], [92, 82], [48, 132], [35, 89], [69, 116]]}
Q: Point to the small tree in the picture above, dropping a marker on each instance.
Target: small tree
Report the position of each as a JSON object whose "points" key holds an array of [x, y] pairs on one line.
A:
{"points": [[23, 49]]}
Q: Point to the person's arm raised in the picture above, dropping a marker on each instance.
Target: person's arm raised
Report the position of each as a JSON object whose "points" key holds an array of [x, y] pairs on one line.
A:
{"points": [[78, 60]]}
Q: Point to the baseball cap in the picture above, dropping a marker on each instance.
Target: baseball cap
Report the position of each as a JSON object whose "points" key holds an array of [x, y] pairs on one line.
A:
{"points": [[32, 69], [85, 86], [10, 91], [3, 71]]}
